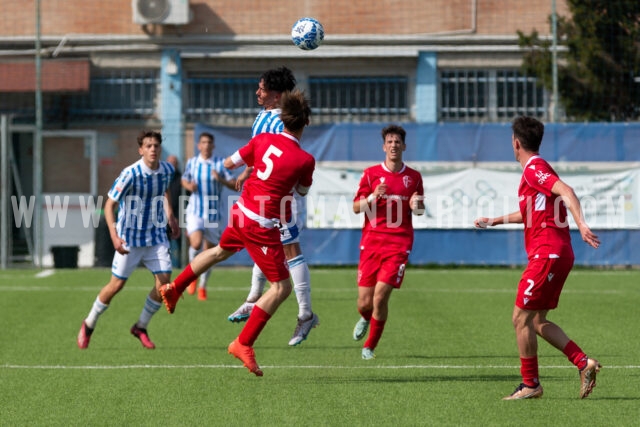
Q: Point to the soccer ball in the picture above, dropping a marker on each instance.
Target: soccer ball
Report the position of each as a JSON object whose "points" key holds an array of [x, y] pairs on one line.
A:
{"points": [[307, 33]]}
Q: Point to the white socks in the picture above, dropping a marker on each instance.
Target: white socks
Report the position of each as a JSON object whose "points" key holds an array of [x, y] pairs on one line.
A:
{"points": [[193, 253], [258, 280], [96, 310], [150, 308], [299, 270]]}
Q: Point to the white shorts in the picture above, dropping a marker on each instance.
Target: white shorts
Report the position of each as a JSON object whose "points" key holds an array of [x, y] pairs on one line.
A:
{"points": [[156, 258], [210, 231], [290, 232]]}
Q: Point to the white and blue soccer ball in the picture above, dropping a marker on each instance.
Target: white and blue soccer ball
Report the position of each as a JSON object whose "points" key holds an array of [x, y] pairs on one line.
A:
{"points": [[307, 33]]}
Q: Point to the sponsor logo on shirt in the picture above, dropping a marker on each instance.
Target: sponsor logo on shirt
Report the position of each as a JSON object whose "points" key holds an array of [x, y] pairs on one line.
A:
{"points": [[542, 177]]}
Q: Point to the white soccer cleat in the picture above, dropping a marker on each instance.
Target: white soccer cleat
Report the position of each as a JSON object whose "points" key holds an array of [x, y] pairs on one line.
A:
{"points": [[367, 354], [303, 328], [242, 313], [360, 330]]}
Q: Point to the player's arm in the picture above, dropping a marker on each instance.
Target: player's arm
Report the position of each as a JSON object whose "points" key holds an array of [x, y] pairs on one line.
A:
{"points": [[302, 190], [243, 177], [364, 202], [229, 183], [304, 184], [234, 161], [110, 207], [191, 186], [416, 202], [172, 222], [573, 204], [512, 218]]}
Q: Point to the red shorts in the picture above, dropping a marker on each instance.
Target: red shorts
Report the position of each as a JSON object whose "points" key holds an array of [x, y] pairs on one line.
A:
{"points": [[542, 282], [381, 265], [263, 245]]}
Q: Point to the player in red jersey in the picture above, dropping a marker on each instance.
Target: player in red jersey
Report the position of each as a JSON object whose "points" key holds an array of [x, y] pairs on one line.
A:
{"points": [[388, 194], [279, 164], [544, 199]]}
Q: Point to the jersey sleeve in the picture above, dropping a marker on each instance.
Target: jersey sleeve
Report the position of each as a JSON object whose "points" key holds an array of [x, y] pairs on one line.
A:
{"points": [[121, 185], [188, 171], [541, 178], [306, 179], [246, 153], [364, 188], [419, 185]]}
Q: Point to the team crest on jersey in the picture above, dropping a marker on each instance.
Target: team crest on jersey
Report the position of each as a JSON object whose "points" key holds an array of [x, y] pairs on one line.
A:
{"points": [[406, 180], [542, 177]]}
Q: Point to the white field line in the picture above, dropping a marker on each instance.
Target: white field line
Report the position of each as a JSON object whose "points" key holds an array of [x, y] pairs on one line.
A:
{"points": [[389, 367]]}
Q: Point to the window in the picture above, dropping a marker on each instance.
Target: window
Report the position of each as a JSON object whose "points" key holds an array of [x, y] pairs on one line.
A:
{"points": [[489, 95], [232, 101], [220, 100], [116, 94], [359, 99]]}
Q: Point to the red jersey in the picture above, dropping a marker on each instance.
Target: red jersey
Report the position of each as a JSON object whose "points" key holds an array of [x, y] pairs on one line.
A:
{"points": [[279, 164], [546, 230], [390, 214]]}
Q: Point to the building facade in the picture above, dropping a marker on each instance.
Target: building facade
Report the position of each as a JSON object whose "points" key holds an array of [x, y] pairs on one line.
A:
{"points": [[109, 69]]}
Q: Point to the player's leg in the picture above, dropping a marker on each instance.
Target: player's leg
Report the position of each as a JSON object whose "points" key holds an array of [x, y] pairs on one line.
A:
{"points": [[381, 296], [272, 264], [389, 276], [258, 281], [157, 259], [301, 277], [195, 235], [230, 243], [531, 298], [204, 277], [367, 271], [122, 267], [559, 269]]}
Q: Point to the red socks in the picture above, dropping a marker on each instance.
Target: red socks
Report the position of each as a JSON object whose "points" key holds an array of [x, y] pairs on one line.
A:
{"points": [[184, 279], [366, 315], [575, 355], [375, 332], [529, 371], [255, 323]]}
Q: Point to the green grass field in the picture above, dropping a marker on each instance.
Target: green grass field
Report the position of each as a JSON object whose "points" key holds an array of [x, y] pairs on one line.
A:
{"points": [[447, 357]]}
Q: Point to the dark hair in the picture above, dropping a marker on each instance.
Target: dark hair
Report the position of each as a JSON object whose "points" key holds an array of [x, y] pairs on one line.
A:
{"points": [[295, 110], [149, 134], [396, 130], [529, 131], [279, 79], [207, 135]]}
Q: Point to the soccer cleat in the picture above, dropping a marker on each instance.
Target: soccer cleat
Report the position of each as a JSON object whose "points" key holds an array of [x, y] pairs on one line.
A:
{"points": [[143, 336], [246, 355], [191, 289], [525, 392], [367, 354], [170, 296], [242, 313], [84, 336], [303, 328], [588, 377], [202, 294], [360, 329]]}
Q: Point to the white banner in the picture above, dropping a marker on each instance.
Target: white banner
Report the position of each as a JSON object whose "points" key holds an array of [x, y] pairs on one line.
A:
{"points": [[455, 199]]}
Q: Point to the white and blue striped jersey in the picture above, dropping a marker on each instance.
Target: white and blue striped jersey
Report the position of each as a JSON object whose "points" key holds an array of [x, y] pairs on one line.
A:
{"points": [[205, 201], [267, 121], [140, 193]]}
